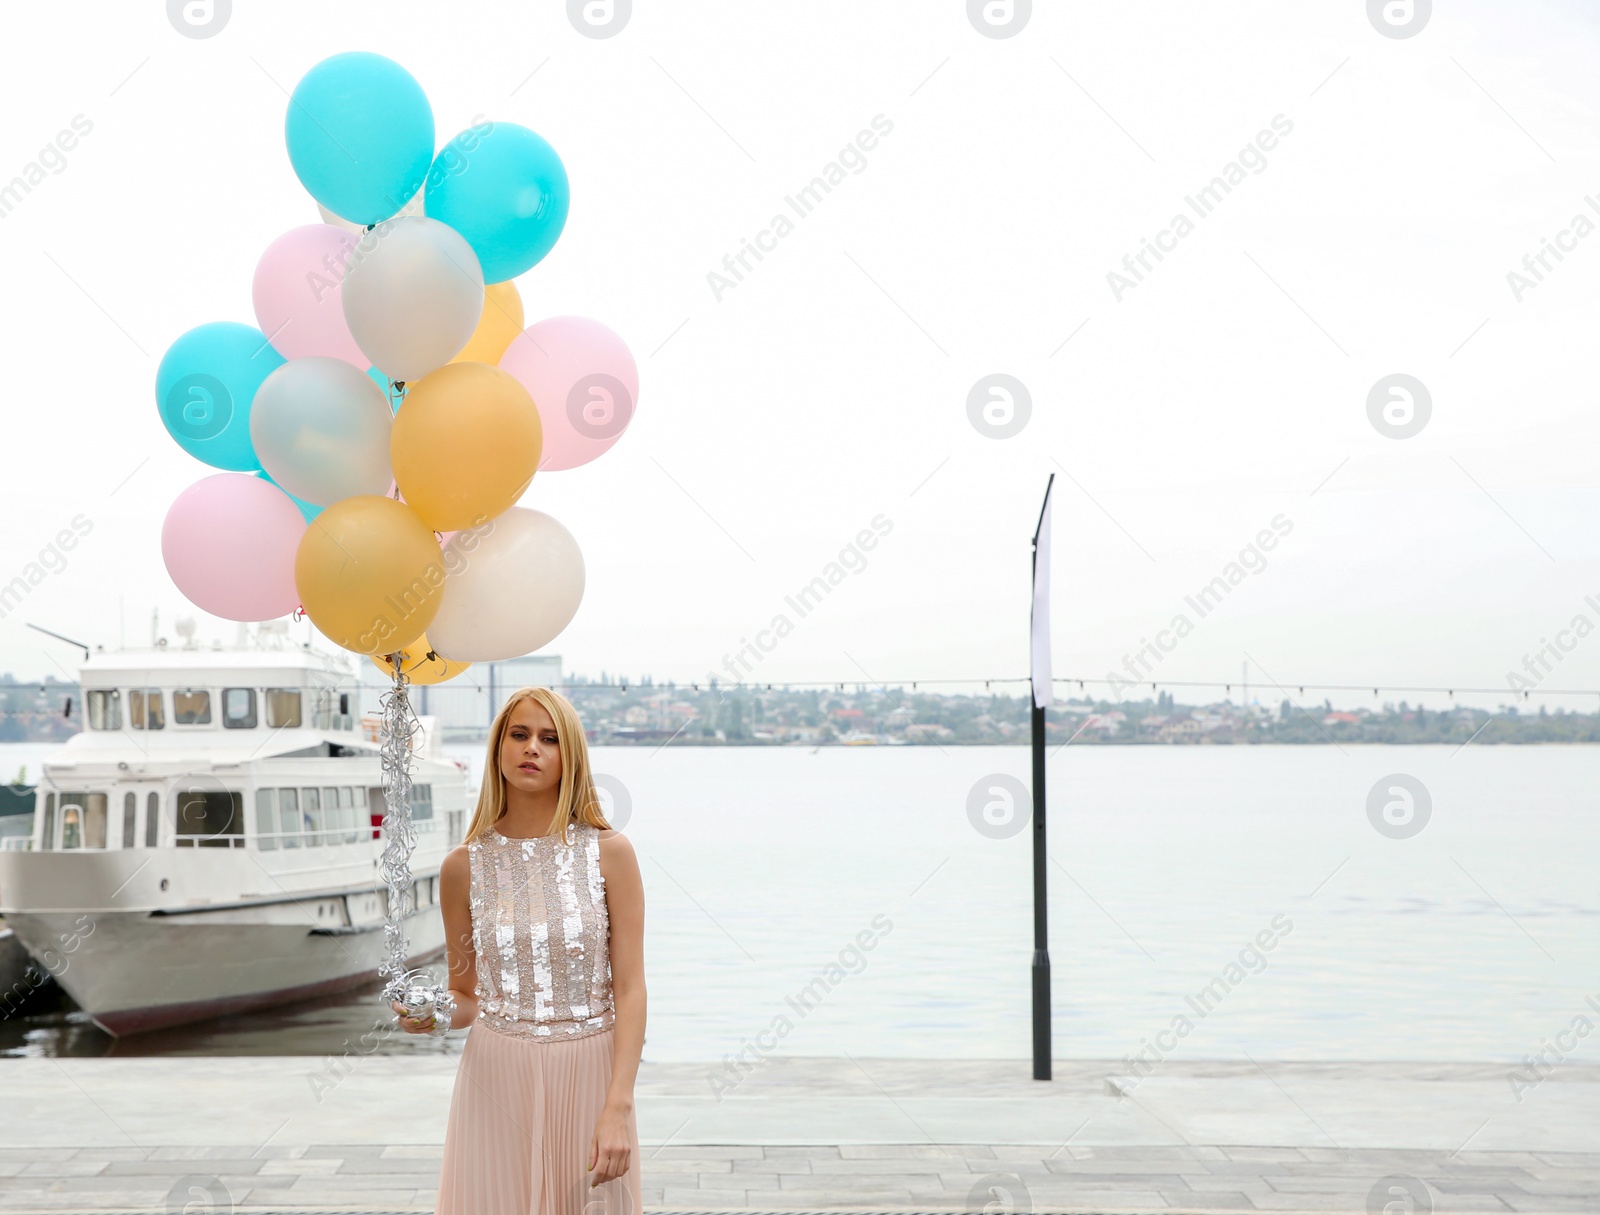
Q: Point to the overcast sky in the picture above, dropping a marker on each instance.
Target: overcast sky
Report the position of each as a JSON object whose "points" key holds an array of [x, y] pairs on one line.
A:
{"points": [[1183, 415]]}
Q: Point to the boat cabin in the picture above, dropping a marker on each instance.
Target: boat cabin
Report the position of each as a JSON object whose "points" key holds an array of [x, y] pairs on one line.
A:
{"points": [[197, 748]]}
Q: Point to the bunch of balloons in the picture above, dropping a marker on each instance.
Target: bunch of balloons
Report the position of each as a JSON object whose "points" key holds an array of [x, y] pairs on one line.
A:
{"points": [[382, 419]]}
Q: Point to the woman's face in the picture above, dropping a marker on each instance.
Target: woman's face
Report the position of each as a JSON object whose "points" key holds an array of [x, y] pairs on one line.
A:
{"points": [[530, 757]]}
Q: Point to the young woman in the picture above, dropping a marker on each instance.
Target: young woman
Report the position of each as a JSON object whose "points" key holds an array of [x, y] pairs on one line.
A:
{"points": [[544, 923]]}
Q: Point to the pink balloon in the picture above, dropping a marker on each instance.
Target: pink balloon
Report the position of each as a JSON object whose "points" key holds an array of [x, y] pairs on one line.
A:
{"points": [[584, 382], [297, 294], [229, 542]]}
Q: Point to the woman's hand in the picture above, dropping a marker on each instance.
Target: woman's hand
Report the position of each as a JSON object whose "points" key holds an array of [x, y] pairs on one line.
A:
{"points": [[612, 1149], [412, 1024]]}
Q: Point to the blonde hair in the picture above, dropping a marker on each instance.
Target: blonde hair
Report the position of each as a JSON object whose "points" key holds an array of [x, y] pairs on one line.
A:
{"points": [[577, 801]]}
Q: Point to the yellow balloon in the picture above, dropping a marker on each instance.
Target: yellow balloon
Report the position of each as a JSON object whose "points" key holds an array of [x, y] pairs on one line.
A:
{"points": [[370, 574], [419, 664], [464, 445], [501, 321]]}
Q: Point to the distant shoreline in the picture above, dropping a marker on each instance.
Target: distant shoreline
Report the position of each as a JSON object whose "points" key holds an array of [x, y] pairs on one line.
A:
{"points": [[644, 713], [1093, 742]]}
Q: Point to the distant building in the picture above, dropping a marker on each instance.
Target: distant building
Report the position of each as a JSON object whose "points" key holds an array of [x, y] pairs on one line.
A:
{"points": [[51, 711], [1106, 723], [464, 706]]}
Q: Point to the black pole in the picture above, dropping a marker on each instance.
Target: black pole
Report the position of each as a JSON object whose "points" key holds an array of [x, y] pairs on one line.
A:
{"points": [[1041, 921], [1041, 918]]}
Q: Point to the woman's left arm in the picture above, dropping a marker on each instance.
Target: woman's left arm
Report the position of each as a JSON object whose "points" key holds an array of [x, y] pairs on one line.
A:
{"points": [[619, 868]]}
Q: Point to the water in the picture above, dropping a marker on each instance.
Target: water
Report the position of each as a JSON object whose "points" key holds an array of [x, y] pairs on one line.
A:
{"points": [[765, 867], [25, 760]]}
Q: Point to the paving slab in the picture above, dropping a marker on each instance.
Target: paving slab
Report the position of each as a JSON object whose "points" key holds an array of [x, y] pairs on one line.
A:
{"points": [[125, 1135]]}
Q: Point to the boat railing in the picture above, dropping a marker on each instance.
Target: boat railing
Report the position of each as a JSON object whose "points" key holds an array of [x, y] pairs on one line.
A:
{"points": [[269, 841], [208, 840], [266, 841]]}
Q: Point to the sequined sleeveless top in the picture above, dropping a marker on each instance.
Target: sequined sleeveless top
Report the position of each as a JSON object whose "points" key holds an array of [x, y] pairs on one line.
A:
{"points": [[542, 934]]}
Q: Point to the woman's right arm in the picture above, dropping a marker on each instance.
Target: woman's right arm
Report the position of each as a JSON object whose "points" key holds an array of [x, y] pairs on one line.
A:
{"points": [[455, 902], [455, 891]]}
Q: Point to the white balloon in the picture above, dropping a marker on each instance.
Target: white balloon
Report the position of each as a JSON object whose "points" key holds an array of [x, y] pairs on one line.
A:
{"points": [[510, 587], [321, 430], [413, 207], [412, 295]]}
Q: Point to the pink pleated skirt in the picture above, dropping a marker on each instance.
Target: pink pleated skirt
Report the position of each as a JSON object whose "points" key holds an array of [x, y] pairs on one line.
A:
{"points": [[522, 1120]]}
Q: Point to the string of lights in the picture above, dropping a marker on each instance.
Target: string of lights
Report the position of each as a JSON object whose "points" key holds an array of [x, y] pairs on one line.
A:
{"points": [[1153, 685], [1300, 686]]}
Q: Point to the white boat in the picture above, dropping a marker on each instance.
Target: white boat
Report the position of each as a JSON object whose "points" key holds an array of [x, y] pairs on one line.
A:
{"points": [[210, 844]]}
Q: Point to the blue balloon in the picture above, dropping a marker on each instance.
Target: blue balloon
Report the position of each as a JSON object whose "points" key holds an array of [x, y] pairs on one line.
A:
{"points": [[360, 135], [204, 387], [308, 510], [503, 188]]}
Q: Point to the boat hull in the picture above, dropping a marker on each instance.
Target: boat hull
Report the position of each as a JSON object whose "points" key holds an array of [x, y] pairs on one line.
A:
{"points": [[133, 972]]}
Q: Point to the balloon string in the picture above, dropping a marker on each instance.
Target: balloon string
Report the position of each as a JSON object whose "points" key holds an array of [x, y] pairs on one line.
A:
{"points": [[400, 725], [418, 991]]}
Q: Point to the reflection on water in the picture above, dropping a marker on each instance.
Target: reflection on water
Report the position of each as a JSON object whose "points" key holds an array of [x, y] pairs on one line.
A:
{"points": [[352, 1023]]}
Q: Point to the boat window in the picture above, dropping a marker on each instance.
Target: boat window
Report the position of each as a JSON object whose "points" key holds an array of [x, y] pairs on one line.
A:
{"points": [[354, 813], [130, 819], [209, 818], [191, 707], [289, 816], [238, 708], [322, 714], [421, 802], [283, 707], [105, 709], [376, 809], [94, 821], [83, 820], [311, 816], [332, 817], [146, 709], [47, 838], [266, 817], [152, 819]]}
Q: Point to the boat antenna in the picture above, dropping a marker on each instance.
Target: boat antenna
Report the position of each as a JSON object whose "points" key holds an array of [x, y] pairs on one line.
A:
{"points": [[59, 637]]}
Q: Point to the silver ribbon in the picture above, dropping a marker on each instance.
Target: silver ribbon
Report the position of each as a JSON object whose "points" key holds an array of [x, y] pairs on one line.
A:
{"points": [[417, 990]]}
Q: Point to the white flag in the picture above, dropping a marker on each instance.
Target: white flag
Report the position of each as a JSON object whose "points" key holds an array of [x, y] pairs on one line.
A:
{"points": [[1043, 693]]}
